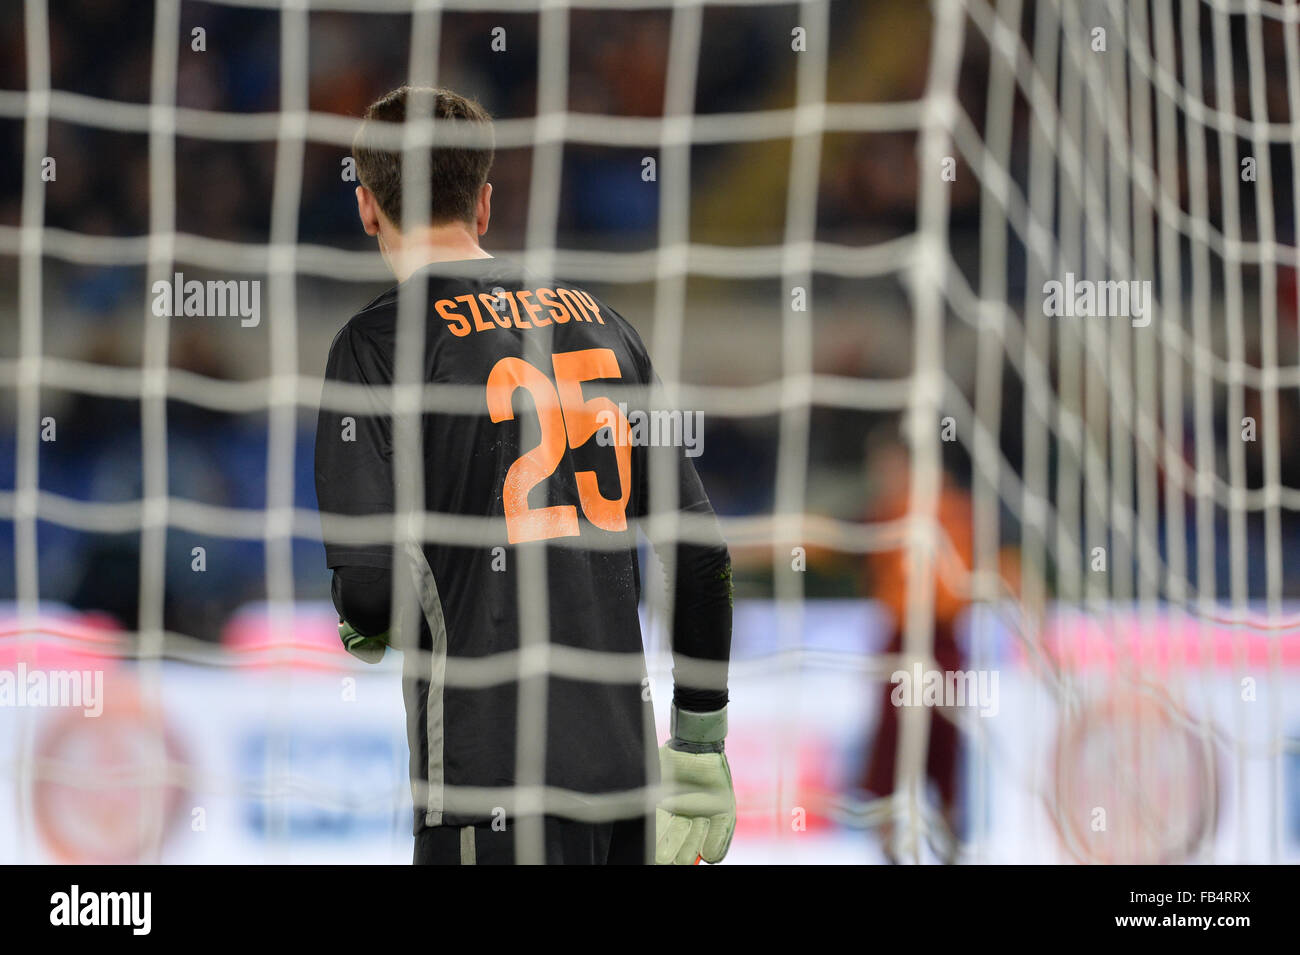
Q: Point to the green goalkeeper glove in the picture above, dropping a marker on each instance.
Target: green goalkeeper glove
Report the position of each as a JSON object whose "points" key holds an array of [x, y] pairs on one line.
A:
{"points": [[366, 649], [698, 817]]}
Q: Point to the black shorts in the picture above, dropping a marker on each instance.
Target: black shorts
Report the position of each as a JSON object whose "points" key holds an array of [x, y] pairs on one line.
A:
{"points": [[565, 842]]}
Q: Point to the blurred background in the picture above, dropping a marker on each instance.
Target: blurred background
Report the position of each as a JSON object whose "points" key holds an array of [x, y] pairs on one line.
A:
{"points": [[1119, 688]]}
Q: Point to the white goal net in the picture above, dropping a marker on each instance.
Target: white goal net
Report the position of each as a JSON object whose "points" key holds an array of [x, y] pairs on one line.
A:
{"points": [[989, 308]]}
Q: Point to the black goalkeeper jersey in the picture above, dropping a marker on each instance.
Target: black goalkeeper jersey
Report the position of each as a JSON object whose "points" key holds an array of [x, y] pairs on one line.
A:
{"points": [[549, 374]]}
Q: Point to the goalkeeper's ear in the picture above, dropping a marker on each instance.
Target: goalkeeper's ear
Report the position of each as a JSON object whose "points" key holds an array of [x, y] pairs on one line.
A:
{"points": [[483, 208], [368, 210]]}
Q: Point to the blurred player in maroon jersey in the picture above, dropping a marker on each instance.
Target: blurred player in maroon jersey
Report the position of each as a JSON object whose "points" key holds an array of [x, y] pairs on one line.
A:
{"points": [[886, 579]]}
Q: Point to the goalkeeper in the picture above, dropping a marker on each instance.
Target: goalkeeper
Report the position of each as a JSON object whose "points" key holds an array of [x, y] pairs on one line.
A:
{"points": [[539, 353]]}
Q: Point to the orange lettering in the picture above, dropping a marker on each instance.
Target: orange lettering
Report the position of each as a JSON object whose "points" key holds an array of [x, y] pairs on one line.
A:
{"points": [[456, 324], [558, 312], [520, 321], [525, 523], [479, 324], [490, 301], [583, 417], [591, 303], [534, 311], [575, 305]]}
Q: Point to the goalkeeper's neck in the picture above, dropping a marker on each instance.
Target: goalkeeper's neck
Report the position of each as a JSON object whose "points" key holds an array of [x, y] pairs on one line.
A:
{"points": [[406, 252]]}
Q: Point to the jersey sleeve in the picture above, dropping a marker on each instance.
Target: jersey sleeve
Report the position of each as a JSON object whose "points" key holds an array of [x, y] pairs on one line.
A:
{"points": [[354, 454], [697, 566]]}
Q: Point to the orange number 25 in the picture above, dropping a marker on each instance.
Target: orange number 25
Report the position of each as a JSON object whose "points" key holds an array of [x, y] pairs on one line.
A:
{"points": [[567, 420]]}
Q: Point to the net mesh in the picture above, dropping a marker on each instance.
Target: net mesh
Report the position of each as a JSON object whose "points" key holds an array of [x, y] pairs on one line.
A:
{"points": [[1122, 163]]}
